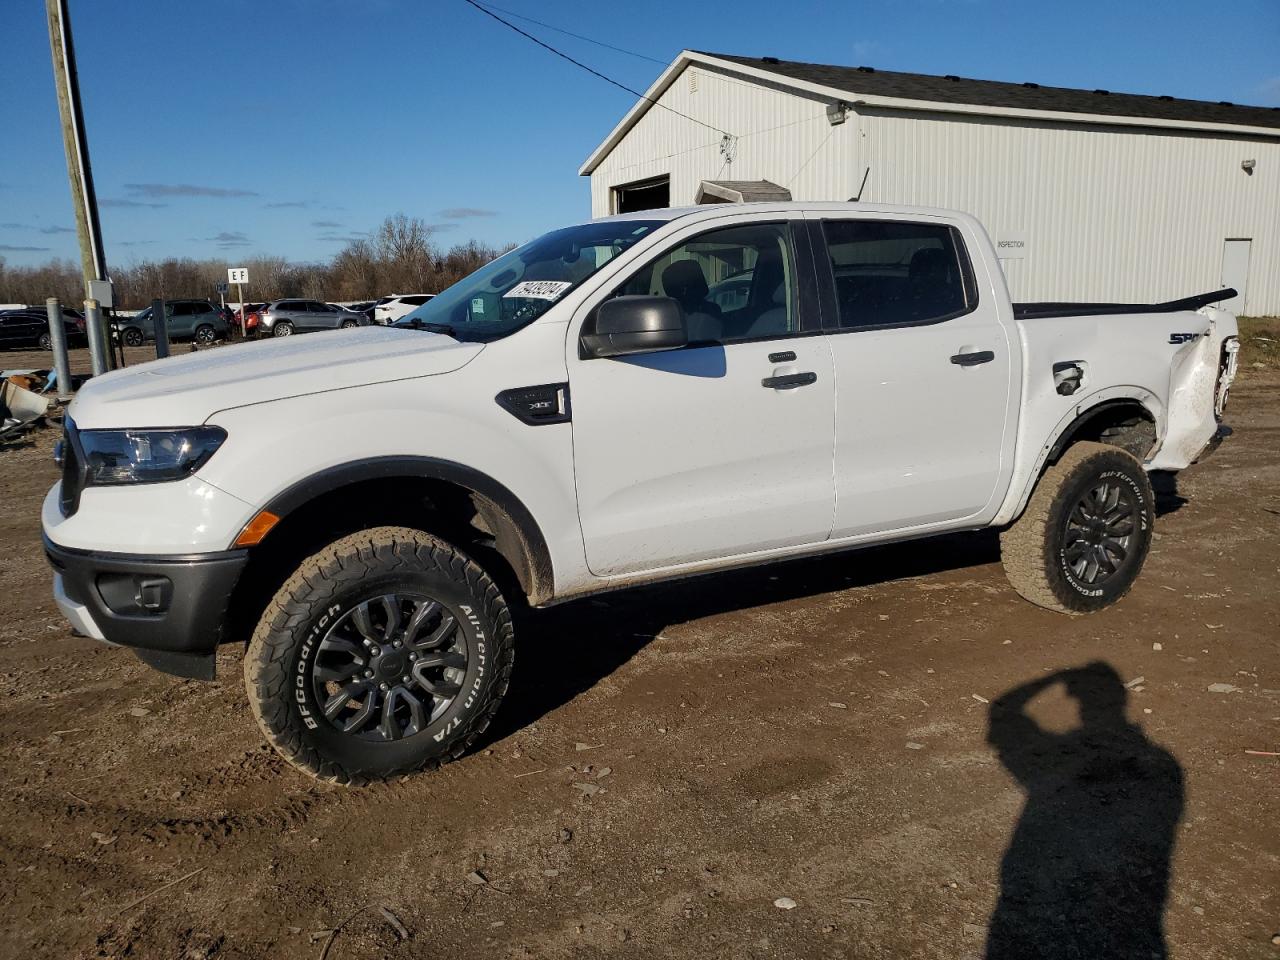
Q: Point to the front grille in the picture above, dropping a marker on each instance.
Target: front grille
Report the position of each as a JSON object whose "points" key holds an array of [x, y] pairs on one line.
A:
{"points": [[73, 475]]}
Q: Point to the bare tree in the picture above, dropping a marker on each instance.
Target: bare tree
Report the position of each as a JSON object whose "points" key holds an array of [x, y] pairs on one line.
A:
{"points": [[399, 257]]}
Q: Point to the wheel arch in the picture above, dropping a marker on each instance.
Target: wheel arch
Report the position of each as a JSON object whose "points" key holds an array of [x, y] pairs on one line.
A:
{"points": [[454, 501], [1107, 412], [1092, 423]]}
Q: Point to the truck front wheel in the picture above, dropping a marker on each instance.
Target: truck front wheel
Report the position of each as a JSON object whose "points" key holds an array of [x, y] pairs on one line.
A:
{"points": [[384, 654], [1081, 542]]}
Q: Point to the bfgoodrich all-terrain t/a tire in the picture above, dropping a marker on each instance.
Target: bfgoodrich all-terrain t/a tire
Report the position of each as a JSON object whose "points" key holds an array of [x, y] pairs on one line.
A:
{"points": [[1081, 542], [386, 653]]}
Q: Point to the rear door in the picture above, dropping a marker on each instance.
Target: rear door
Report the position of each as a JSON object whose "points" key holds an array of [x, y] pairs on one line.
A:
{"points": [[722, 448], [294, 311], [924, 368], [321, 316]]}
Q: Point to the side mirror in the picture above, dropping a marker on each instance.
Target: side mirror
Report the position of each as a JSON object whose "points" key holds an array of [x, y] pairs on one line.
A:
{"points": [[636, 324]]}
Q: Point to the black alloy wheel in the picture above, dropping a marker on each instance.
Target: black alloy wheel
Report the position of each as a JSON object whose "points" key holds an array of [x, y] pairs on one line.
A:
{"points": [[389, 667], [1095, 543]]}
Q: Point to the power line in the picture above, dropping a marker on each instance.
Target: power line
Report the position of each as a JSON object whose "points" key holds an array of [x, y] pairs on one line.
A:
{"points": [[594, 73], [576, 36], [816, 151], [708, 146]]}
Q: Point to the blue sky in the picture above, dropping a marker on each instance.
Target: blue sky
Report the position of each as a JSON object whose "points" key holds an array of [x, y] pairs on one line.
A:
{"points": [[234, 127]]}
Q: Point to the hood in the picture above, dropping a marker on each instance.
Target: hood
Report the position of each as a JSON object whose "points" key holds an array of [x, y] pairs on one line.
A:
{"points": [[187, 390]]}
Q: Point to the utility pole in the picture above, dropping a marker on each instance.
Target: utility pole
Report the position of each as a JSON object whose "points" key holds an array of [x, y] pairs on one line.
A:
{"points": [[92, 260]]}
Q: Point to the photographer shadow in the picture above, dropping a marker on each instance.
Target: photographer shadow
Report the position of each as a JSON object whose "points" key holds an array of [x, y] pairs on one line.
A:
{"points": [[1086, 873]]}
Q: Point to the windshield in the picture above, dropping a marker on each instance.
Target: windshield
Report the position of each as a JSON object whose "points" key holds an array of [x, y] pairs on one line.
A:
{"points": [[520, 286]]}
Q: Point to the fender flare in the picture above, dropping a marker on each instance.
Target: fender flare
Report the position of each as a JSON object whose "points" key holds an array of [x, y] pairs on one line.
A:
{"points": [[1067, 427], [526, 550]]}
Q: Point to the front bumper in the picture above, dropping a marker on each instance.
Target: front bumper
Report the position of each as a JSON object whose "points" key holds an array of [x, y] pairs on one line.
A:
{"points": [[170, 610]]}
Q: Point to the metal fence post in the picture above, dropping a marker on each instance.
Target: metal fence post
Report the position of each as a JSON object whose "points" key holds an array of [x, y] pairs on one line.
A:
{"points": [[94, 327], [160, 324], [58, 341]]}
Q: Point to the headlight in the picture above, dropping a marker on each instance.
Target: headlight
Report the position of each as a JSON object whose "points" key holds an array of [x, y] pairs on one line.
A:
{"points": [[147, 456]]}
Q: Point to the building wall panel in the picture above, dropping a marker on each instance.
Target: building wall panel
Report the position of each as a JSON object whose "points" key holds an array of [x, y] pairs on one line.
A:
{"points": [[780, 137], [1108, 213]]}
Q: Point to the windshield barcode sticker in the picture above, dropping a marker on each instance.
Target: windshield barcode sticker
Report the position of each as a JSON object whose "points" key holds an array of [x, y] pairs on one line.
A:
{"points": [[539, 289]]}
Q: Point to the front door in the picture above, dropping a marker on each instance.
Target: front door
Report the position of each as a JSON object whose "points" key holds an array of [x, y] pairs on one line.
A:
{"points": [[721, 448], [179, 317], [925, 375]]}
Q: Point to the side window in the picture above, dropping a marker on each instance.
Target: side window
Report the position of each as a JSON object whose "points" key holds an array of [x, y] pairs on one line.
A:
{"points": [[294, 306], [890, 273], [184, 309], [415, 301], [738, 283]]}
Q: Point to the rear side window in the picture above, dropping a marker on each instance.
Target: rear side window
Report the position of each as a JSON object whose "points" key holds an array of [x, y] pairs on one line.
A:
{"points": [[184, 309], [893, 273], [416, 301], [296, 305]]}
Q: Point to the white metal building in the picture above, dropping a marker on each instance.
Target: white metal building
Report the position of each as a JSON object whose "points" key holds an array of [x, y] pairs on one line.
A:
{"points": [[1091, 195]]}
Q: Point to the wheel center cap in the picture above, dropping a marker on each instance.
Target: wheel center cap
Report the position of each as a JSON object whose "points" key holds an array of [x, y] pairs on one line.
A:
{"points": [[391, 665]]}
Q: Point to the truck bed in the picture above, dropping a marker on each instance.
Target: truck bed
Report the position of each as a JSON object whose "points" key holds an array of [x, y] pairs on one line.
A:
{"points": [[1030, 311]]}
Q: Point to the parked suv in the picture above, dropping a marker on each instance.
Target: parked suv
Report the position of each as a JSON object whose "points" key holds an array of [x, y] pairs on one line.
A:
{"points": [[285, 317], [580, 416], [197, 320], [390, 309]]}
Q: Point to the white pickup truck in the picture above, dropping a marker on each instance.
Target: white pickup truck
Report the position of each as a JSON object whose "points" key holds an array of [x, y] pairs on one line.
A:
{"points": [[628, 400]]}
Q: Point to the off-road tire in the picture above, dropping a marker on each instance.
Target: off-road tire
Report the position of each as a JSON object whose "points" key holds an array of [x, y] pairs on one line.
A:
{"points": [[338, 578], [1033, 548]]}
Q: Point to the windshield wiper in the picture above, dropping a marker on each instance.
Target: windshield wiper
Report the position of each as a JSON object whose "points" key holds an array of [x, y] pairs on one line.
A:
{"points": [[417, 324]]}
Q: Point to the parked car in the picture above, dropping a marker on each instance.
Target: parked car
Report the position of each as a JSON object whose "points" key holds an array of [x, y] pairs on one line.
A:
{"points": [[30, 328], [731, 293], [197, 320], [369, 501], [390, 309], [76, 317], [285, 317]]}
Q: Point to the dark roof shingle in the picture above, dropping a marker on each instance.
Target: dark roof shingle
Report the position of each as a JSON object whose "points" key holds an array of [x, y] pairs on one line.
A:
{"points": [[994, 93]]}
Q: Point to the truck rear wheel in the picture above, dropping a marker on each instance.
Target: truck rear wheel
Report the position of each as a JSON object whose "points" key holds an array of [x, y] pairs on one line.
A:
{"points": [[1081, 542], [386, 653]]}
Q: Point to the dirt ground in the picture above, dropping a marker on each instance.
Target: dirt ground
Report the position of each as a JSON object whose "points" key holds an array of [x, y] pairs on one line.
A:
{"points": [[671, 762]]}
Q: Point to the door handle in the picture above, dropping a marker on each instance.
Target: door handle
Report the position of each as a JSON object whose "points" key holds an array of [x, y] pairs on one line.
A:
{"points": [[789, 381], [973, 359]]}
